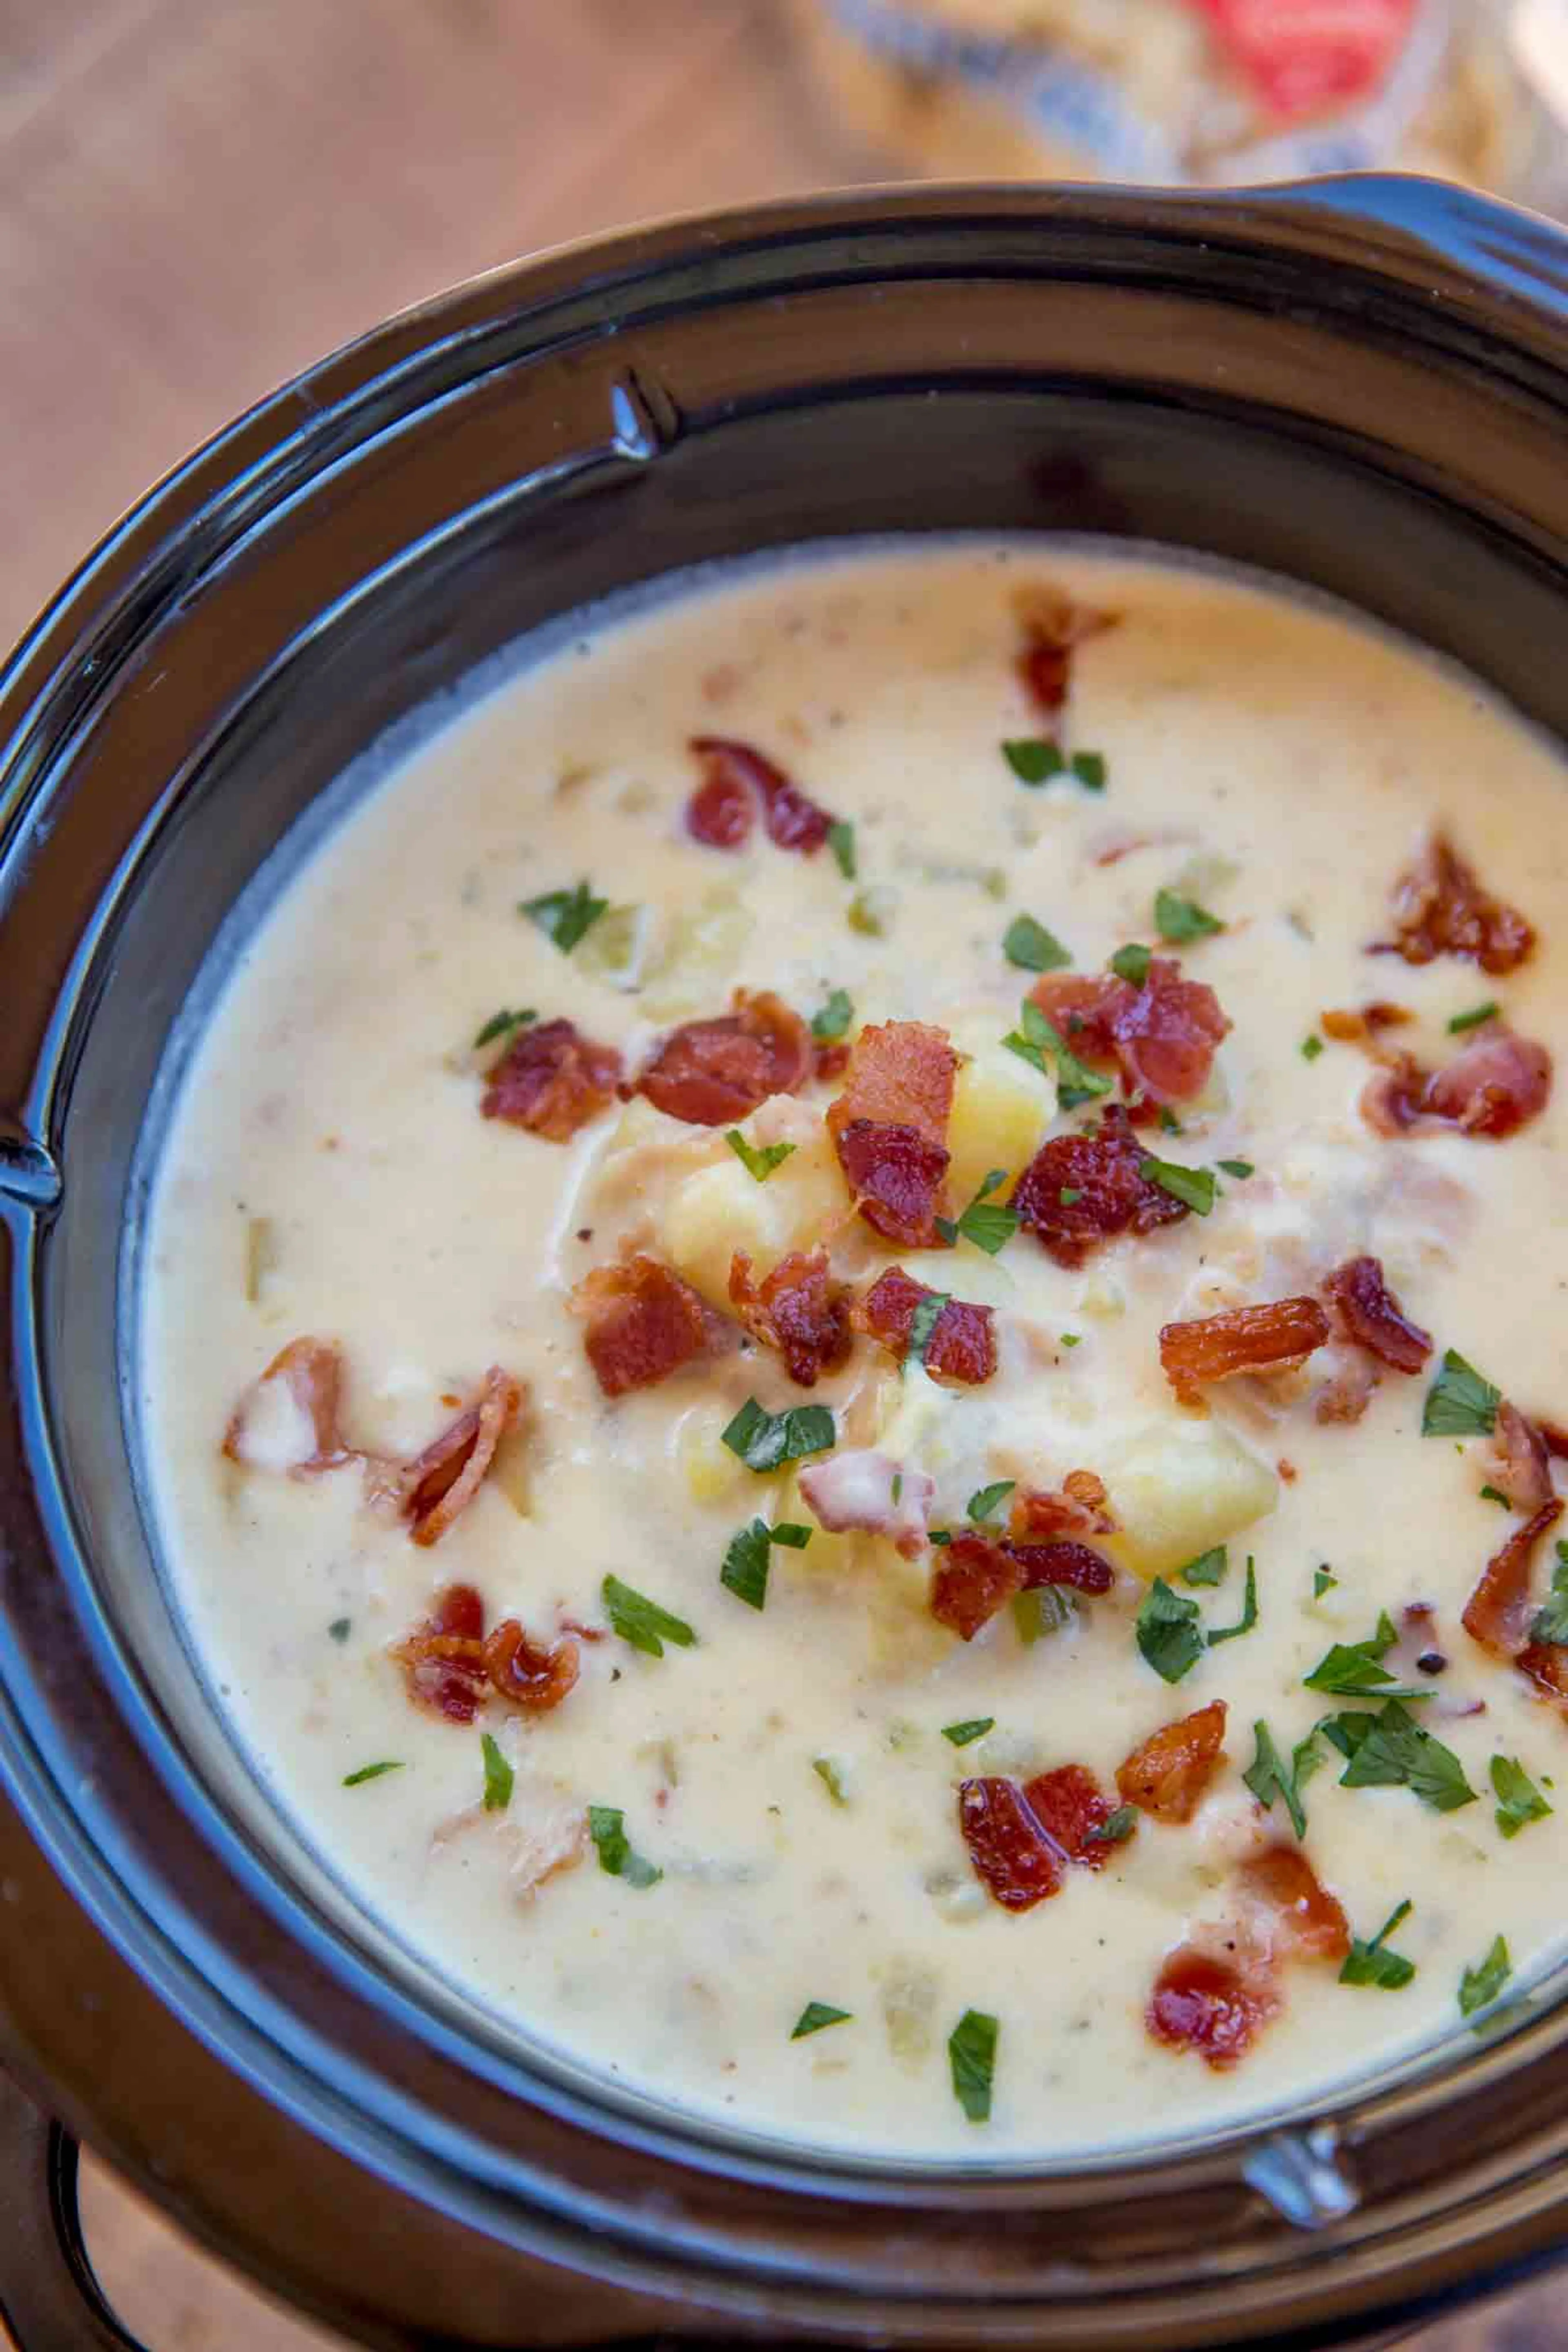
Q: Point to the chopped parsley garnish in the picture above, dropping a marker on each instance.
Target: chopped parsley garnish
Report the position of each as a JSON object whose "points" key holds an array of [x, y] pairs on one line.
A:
{"points": [[1460, 1402], [1169, 1123], [757, 1160], [1374, 1963], [1390, 1751], [1090, 769], [1520, 1801], [763, 1440], [962, 1734], [1248, 1617], [1473, 1019], [835, 1016], [1193, 1187], [498, 1775], [1312, 1047], [1170, 1636], [972, 2053], [1132, 963], [814, 2016], [1071, 1338], [1178, 920], [369, 1772], [745, 1569], [1550, 1623], [1209, 1568], [1035, 1038], [841, 841], [565, 916], [1356, 1669], [1032, 948], [338, 1631], [1478, 1987], [1116, 1828], [1323, 1580], [641, 1622], [1496, 1495], [608, 1828], [1239, 1168], [829, 1773], [984, 1223], [986, 1505], [869, 911], [1033, 759], [1042, 1611], [501, 1025], [1267, 1776], [922, 1324]]}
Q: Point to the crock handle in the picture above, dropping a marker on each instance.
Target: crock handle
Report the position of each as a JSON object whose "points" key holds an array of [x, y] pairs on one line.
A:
{"points": [[49, 2296]]}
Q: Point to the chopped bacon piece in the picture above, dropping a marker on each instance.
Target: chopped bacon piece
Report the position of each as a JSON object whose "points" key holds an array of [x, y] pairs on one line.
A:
{"points": [[287, 1420], [797, 1308], [1500, 1083], [734, 774], [551, 1080], [1080, 1508], [1015, 1857], [534, 1674], [1370, 1314], [1520, 1462], [1240, 1340], [1499, 1612], [644, 1323], [1306, 1922], [961, 1348], [860, 1489], [1163, 1034], [1107, 1196], [1349, 1389], [889, 1127], [1168, 1772], [831, 1060], [974, 1578], [1083, 1008], [1364, 1026], [712, 1073], [1212, 2005], [1073, 1565], [450, 1666], [440, 1482], [1440, 909], [1053, 624], [1545, 1664], [1071, 1810]]}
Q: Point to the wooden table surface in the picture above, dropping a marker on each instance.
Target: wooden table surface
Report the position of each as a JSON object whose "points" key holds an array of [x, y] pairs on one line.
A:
{"points": [[199, 196]]}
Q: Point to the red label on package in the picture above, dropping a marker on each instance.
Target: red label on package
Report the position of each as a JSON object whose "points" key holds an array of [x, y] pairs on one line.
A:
{"points": [[1307, 56]]}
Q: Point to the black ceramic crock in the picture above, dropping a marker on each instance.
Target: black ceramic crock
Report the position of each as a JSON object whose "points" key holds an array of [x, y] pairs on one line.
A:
{"points": [[1360, 385]]}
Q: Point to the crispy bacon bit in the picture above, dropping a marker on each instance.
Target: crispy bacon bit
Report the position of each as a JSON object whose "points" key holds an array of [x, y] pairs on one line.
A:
{"points": [[1080, 1508], [797, 1308], [1306, 1922], [1212, 2005], [440, 1482], [831, 1061], [889, 1127], [1014, 1858], [1440, 909], [1070, 1808], [1500, 1083], [860, 1489], [644, 1323], [975, 1575], [736, 776], [712, 1073], [1349, 1389], [1363, 1027], [534, 1674], [551, 1080], [1053, 624], [1240, 1340], [287, 1420], [1073, 1565], [1499, 1612], [961, 1348], [1099, 1171], [1545, 1664], [450, 1666], [1168, 1773], [1519, 1462], [1370, 1315], [1162, 1035]]}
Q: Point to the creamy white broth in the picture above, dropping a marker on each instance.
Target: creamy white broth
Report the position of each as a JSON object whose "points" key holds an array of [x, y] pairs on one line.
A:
{"points": [[1280, 764]]}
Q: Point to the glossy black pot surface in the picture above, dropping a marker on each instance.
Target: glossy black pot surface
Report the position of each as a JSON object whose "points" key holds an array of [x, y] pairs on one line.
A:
{"points": [[1362, 385]]}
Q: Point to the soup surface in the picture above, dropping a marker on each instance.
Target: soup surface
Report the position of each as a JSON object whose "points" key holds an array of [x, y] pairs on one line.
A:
{"points": [[996, 1727]]}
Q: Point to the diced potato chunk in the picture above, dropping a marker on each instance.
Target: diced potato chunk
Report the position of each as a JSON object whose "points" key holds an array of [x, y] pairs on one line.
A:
{"points": [[711, 1472], [1180, 1487], [712, 1213], [1000, 1111], [700, 948]]}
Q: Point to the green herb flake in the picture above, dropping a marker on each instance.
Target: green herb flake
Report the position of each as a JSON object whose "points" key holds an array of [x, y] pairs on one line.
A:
{"points": [[565, 916], [1390, 1751], [371, 1772], [988, 1501], [1549, 1624], [641, 1622], [867, 913], [962, 1734], [841, 841], [1312, 1047], [498, 1775], [1240, 1168], [972, 2053], [1496, 1495], [1193, 1187], [1033, 759], [1374, 1963], [1472, 1020], [1460, 1402], [1181, 919], [764, 1440], [1034, 1039], [1323, 1580], [830, 1773], [928, 1314], [1071, 1338], [1209, 1568], [1169, 1123], [1116, 1828], [1045, 1611], [501, 1025], [745, 1569], [758, 1159], [835, 1017], [1132, 963], [340, 1629], [1356, 1669], [1248, 1617], [1268, 1776], [984, 1223], [1520, 1801], [815, 2015], [1032, 948], [1480, 1986], [1090, 769], [1169, 1635], [608, 1828]]}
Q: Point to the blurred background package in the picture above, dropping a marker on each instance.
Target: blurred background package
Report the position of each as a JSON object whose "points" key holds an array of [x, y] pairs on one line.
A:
{"points": [[1202, 91]]}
